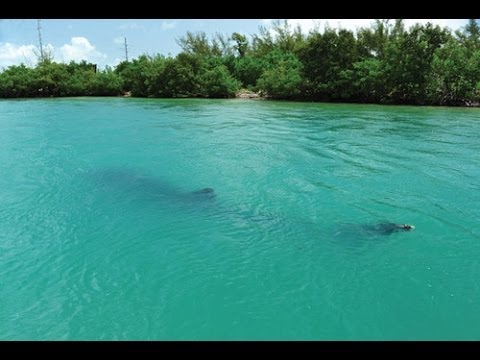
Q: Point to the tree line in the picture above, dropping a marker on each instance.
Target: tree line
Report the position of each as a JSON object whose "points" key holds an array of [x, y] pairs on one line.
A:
{"points": [[384, 63]]}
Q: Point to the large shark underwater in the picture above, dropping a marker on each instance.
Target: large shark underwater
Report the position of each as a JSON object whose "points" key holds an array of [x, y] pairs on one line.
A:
{"points": [[135, 184], [122, 186]]}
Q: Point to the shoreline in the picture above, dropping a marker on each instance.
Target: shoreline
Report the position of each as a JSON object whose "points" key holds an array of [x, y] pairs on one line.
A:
{"points": [[248, 95]]}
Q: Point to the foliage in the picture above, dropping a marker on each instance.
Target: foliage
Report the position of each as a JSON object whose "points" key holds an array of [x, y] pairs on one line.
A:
{"points": [[282, 78], [383, 63]]}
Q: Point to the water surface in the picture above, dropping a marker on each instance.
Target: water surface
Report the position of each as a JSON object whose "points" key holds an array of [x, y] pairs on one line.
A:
{"points": [[101, 236]]}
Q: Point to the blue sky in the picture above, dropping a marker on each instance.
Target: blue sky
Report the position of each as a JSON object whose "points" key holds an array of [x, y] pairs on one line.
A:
{"points": [[102, 41]]}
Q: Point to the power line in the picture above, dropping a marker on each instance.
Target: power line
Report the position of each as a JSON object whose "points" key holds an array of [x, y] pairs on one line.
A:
{"points": [[126, 50], [40, 39]]}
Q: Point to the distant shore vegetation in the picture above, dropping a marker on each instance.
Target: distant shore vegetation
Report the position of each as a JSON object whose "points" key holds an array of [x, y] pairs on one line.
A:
{"points": [[385, 63]]}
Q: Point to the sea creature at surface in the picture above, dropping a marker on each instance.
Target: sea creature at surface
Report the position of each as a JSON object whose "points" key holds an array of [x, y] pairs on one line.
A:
{"points": [[355, 232], [388, 228]]}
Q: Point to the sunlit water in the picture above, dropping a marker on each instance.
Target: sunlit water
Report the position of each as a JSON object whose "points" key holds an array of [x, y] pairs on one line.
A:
{"points": [[102, 237]]}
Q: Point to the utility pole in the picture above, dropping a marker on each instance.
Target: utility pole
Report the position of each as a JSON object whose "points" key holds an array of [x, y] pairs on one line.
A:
{"points": [[40, 40], [126, 50]]}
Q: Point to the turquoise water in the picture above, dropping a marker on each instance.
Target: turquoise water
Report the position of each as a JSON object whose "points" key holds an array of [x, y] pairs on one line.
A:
{"points": [[102, 237]]}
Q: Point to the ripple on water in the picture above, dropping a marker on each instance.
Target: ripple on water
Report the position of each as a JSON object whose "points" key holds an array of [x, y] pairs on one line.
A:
{"points": [[101, 238]]}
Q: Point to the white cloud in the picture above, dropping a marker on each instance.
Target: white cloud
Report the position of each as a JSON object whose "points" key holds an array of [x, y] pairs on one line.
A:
{"points": [[166, 25], [13, 54], [49, 49], [119, 40], [353, 24], [453, 24], [116, 61], [80, 49]]}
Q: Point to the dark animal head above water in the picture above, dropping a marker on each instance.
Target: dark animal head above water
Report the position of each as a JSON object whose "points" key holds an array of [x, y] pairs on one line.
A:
{"points": [[370, 231], [389, 228], [407, 227]]}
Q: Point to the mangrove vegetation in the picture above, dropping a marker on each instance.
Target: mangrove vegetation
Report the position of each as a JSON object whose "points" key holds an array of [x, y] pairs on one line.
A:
{"points": [[385, 63]]}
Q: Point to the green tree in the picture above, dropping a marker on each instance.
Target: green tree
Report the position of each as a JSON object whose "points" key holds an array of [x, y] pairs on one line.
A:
{"points": [[326, 59], [282, 79], [105, 83], [248, 70], [470, 36], [51, 79], [137, 75], [216, 81], [198, 44], [180, 77], [241, 44], [454, 76], [17, 81], [408, 60]]}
